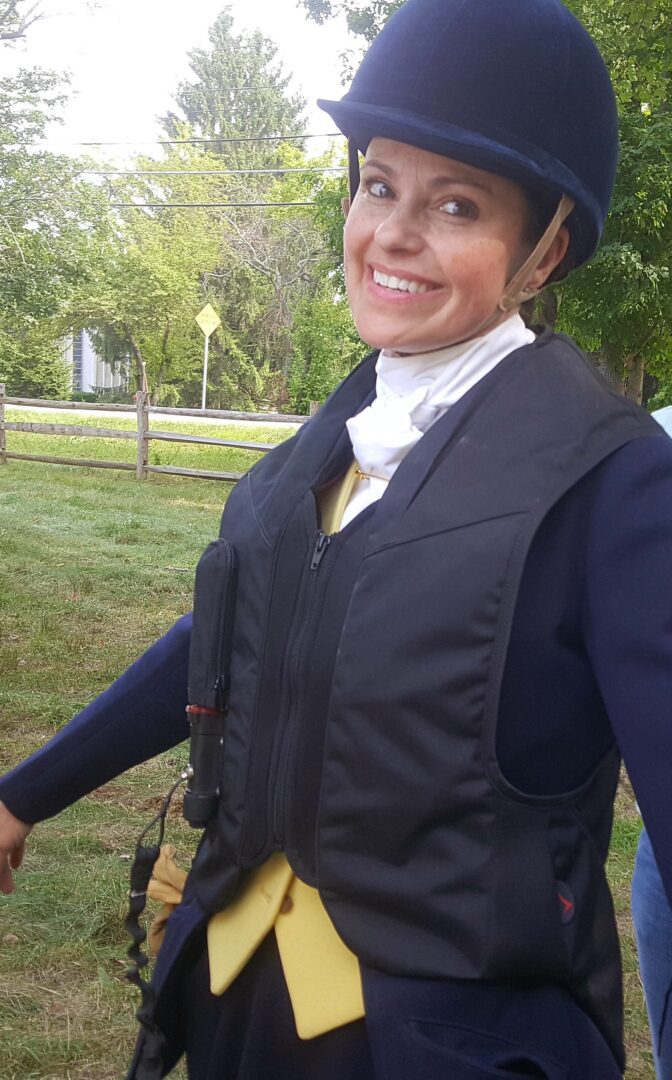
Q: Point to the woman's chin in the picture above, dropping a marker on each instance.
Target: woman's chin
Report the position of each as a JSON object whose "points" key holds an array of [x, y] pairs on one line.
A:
{"points": [[405, 346], [385, 336], [385, 341]]}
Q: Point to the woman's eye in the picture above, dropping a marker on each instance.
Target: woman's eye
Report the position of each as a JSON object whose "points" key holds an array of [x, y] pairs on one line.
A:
{"points": [[459, 208], [378, 188]]}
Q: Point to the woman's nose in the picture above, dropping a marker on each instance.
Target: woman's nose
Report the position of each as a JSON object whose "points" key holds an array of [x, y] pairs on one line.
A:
{"points": [[400, 229]]}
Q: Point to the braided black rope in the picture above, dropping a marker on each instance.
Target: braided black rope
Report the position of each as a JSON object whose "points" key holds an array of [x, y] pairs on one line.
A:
{"points": [[141, 871]]}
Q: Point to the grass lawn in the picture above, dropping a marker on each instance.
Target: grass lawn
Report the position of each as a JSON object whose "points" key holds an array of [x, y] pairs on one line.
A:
{"points": [[93, 567]]}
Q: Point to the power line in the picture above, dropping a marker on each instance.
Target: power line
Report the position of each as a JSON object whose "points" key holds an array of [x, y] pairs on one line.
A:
{"points": [[178, 142], [167, 206], [258, 86], [208, 172]]}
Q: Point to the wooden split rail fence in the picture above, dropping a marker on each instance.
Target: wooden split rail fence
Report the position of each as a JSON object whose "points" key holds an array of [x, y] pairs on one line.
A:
{"points": [[142, 435]]}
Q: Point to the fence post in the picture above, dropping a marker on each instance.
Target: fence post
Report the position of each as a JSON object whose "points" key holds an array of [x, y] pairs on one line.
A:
{"points": [[3, 433], [314, 406], [142, 460]]}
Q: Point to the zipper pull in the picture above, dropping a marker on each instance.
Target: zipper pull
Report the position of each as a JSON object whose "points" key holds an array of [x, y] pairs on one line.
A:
{"points": [[321, 545]]}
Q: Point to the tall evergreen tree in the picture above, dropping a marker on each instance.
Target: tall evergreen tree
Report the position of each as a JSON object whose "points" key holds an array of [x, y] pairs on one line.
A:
{"points": [[240, 91]]}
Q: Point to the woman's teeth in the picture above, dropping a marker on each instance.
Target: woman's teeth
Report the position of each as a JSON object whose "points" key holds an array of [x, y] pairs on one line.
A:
{"points": [[401, 284]]}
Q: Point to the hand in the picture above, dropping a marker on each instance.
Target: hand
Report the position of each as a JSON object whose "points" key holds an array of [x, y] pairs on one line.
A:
{"points": [[13, 835]]}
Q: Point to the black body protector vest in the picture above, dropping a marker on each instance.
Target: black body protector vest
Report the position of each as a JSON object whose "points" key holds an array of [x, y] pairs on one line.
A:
{"points": [[365, 684]]}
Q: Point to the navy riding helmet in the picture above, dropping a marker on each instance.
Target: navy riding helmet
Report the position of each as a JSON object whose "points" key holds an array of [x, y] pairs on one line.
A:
{"points": [[515, 87]]}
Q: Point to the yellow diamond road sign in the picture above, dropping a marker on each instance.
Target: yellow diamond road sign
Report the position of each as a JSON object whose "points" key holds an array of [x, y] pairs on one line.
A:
{"points": [[208, 320]]}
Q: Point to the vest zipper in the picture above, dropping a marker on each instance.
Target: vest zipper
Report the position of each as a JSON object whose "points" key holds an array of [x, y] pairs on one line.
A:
{"points": [[321, 544], [293, 668]]}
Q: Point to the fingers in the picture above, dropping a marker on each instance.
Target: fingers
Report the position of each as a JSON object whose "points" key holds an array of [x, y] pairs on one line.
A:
{"points": [[13, 835], [10, 861], [16, 857], [6, 878]]}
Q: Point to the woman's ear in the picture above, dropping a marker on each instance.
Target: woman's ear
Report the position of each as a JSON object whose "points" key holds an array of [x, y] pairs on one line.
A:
{"points": [[551, 259], [345, 206]]}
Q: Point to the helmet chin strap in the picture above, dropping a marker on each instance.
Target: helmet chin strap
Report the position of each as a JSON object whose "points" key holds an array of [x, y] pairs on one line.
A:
{"points": [[517, 291]]}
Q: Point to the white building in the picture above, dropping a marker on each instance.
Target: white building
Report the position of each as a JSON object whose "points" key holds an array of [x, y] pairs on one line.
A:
{"points": [[89, 371]]}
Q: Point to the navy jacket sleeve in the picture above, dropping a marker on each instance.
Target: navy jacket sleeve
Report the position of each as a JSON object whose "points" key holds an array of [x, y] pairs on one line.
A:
{"points": [[141, 714], [628, 620]]}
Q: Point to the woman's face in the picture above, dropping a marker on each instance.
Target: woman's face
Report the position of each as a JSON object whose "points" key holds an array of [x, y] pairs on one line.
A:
{"points": [[430, 244]]}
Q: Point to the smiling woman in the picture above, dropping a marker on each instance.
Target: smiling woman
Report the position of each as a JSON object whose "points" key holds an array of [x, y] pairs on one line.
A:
{"points": [[430, 245], [448, 623]]}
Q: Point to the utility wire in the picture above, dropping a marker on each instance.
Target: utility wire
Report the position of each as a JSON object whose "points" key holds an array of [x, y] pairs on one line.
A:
{"points": [[258, 86], [208, 172], [177, 142], [167, 206]]}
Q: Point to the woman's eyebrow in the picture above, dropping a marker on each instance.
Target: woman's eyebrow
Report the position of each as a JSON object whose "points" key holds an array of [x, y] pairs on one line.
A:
{"points": [[467, 181], [375, 164]]}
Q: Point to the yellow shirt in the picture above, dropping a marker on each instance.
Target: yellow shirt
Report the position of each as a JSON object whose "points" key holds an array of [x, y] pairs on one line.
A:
{"points": [[321, 973]]}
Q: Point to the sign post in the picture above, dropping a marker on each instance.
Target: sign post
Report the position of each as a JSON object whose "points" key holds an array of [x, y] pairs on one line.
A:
{"points": [[208, 320]]}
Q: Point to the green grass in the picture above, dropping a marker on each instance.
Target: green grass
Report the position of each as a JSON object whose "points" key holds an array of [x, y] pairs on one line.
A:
{"points": [[93, 567]]}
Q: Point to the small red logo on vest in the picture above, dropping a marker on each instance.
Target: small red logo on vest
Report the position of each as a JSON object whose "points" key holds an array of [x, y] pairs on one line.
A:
{"points": [[566, 898]]}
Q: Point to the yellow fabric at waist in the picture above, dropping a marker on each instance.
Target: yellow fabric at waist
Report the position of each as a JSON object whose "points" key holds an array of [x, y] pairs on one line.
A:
{"points": [[321, 973]]}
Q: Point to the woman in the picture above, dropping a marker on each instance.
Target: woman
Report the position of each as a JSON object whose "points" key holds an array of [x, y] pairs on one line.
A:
{"points": [[448, 599]]}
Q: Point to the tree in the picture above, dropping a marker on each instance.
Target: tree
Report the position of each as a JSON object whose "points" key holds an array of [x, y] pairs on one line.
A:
{"points": [[48, 219], [270, 259], [158, 267], [326, 347], [267, 256], [363, 19], [239, 91], [620, 305], [279, 255], [16, 16]]}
